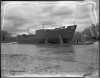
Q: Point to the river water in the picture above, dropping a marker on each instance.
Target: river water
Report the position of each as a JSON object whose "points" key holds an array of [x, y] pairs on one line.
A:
{"points": [[48, 59]]}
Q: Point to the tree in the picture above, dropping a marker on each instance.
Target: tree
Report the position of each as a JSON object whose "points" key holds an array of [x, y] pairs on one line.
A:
{"points": [[92, 32], [4, 35]]}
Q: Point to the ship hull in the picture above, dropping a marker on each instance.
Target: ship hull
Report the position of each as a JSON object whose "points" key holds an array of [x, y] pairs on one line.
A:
{"points": [[53, 36], [58, 35]]}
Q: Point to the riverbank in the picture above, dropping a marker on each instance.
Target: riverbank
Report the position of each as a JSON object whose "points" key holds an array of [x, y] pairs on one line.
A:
{"points": [[71, 43]]}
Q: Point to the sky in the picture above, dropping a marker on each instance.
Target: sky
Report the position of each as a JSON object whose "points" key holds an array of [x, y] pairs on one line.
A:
{"points": [[20, 17]]}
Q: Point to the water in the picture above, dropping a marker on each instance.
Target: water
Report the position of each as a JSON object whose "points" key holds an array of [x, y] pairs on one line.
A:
{"points": [[48, 59]]}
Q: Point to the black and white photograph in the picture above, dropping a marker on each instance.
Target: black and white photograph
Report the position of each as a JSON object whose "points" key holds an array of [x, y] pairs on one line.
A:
{"points": [[50, 39]]}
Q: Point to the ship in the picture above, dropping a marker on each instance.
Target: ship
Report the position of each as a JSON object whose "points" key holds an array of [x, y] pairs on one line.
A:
{"points": [[59, 35]]}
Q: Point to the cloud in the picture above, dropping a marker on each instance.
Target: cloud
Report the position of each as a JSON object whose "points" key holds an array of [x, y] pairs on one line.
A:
{"points": [[63, 11], [19, 16]]}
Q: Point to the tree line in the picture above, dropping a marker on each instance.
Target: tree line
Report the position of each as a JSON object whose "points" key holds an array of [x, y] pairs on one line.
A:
{"points": [[91, 33]]}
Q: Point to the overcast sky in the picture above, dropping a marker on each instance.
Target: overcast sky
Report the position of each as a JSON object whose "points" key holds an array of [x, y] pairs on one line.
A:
{"points": [[23, 17]]}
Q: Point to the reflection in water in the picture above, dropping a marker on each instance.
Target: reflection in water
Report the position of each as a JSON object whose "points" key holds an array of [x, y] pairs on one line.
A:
{"points": [[55, 52], [48, 58]]}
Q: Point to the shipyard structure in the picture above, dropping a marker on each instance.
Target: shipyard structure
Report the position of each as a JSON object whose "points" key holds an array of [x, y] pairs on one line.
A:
{"points": [[58, 35]]}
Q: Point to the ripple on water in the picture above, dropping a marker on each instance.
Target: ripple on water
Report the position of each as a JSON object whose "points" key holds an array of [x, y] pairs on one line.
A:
{"points": [[47, 59]]}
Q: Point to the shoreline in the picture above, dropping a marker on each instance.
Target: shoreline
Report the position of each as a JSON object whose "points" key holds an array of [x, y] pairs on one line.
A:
{"points": [[79, 43]]}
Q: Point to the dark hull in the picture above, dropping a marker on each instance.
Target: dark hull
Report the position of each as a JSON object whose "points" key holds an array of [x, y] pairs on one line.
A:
{"points": [[57, 35], [54, 35]]}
